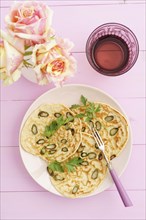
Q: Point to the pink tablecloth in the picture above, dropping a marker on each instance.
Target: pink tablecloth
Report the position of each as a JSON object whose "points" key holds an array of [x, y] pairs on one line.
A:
{"points": [[22, 198]]}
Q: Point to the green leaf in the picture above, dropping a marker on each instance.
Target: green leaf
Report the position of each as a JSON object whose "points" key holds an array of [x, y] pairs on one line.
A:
{"points": [[52, 37], [56, 166], [74, 106], [87, 119], [27, 64], [26, 47], [60, 121], [97, 109], [50, 130], [83, 100], [89, 115], [27, 53], [71, 164], [69, 119], [91, 108], [55, 125], [81, 115]]}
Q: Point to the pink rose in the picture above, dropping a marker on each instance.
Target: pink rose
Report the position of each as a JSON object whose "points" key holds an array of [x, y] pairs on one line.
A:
{"points": [[30, 21], [11, 58], [53, 61]]}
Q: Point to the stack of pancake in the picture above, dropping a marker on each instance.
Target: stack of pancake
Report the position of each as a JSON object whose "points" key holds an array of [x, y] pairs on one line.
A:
{"points": [[63, 135]]}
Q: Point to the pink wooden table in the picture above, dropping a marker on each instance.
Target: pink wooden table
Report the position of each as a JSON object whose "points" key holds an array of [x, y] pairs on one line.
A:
{"points": [[22, 198]]}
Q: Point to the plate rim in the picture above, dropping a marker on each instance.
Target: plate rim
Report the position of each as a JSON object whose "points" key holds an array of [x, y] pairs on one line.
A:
{"points": [[83, 86]]}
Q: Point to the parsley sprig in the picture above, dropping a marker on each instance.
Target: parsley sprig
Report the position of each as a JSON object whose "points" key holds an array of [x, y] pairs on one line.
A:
{"points": [[74, 162], [56, 166], [90, 110], [69, 165], [55, 125]]}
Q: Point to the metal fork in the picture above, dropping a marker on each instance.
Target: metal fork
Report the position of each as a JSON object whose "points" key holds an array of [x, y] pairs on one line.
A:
{"points": [[124, 196]]}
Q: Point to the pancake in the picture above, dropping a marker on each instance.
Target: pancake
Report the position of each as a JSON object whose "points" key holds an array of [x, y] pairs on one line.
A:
{"points": [[58, 145], [111, 125], [87, 176]]}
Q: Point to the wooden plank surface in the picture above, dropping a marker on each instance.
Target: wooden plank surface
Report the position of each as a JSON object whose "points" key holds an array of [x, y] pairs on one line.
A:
{"points": [[11, 120], [81, 18], [46, 206], [131, 84], [22, 198], [13, 168]]}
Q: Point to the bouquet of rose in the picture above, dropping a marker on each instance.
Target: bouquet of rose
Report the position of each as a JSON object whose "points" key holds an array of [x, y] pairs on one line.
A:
{"points": [[31, 42]]}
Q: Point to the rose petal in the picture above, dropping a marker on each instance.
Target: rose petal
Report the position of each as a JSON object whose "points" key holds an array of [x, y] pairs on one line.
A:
{"points": [[13, 58], [16, 42]]}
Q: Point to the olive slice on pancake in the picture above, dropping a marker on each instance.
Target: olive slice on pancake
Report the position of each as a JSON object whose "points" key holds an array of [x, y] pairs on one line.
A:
{"points": [[45, 134], [111, 125], [86, 177]]}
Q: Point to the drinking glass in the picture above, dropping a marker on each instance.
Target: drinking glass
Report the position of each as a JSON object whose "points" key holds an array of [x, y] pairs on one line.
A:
{"points": [[112, 49]]}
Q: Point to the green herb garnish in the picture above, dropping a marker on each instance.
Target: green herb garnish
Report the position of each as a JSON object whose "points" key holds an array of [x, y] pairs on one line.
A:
{"points": [[69, 166], [55, 125], [74, 106], [81, 115], [83, 100], [90, 110], [56, 166], [73, 163]]}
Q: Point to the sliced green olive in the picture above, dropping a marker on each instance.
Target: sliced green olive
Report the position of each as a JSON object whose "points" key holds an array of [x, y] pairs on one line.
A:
{"points": [[92, 155], [52, 151], [43, 151], [94, 174], [34, 129], [85, 163], [113, 131], [75, 189], [112, 156], [51, 146], [57, 115], [96, 146], [43, 114], [98, 125], [81, 148], [83, 129], [91, 124], [63, 141], [109, 118], [40, 141], [50, 171], [72, 131], [68, 114], [100, 156], [64, 149], [58, 177], [84, 154]]}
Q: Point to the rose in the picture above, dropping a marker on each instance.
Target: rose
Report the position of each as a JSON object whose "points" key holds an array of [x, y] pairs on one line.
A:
{"points": [[53, 62], [11, 58], [30, 21]]}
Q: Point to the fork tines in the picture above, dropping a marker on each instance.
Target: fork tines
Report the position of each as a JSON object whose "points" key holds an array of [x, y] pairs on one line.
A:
{"points": [[97, 137]]}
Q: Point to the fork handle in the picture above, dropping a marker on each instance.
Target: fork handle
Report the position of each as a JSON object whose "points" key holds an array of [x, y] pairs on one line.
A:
{"points": [[124, 196]]}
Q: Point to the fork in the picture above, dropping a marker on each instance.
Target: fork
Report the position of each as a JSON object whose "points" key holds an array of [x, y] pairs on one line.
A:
{"points": [[124, 196]]}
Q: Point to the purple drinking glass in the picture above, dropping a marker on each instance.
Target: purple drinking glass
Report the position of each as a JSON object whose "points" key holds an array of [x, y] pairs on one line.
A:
{"points": [[112, 49]]}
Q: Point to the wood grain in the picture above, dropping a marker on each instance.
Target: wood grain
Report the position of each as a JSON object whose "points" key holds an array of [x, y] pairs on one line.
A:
{"points": [[131, 84], [22, 198], [46, 206], [13, 168]]}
